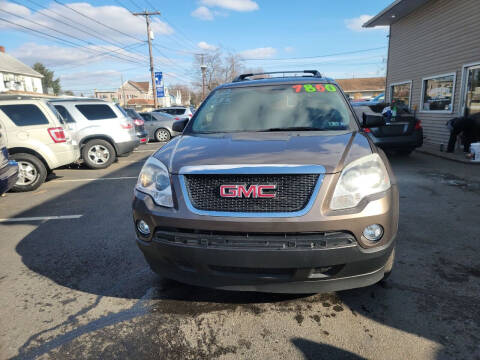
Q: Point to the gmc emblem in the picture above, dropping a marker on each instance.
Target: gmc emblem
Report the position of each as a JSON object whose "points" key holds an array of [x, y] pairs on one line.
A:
{"points": [[252, 191]]}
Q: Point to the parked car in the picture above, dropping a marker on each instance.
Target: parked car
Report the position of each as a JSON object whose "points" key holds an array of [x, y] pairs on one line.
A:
{"points": [[101, 129], [179, 112], [272, 186], [402, 134], [139, 124], [36, 139], [8, 168], [159, 126], [379, 99]]}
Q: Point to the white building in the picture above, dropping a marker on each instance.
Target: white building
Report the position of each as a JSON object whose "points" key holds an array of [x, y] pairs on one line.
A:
{"points": [[15, 76]]}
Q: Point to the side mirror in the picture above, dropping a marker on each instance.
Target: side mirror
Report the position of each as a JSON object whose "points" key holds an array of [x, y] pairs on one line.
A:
{"points": [[372, 120], [179, 125]]}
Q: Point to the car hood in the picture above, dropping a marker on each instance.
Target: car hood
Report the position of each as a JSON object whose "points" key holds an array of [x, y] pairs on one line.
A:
{"points": [[299, 148]]}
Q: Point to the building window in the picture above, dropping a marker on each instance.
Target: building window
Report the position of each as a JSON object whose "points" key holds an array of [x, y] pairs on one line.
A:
{"points": [[438, 93], [400, 93]]}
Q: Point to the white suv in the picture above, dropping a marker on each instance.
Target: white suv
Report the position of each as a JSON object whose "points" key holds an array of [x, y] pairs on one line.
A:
{"points": [[101, 129], [36, 138]]}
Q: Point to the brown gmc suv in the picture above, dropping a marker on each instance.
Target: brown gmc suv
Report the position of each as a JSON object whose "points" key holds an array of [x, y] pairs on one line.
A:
{"points": [[273, 186]]}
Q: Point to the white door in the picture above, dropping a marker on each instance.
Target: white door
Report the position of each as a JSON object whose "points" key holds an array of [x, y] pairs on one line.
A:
{"points": [[471, 99]]}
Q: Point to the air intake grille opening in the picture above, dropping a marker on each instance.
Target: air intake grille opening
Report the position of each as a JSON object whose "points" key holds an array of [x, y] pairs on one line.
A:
{"points": [[293, 192]]}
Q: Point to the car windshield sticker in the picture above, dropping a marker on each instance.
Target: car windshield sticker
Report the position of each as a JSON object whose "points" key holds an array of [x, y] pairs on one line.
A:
{"points": [[309, 88]]}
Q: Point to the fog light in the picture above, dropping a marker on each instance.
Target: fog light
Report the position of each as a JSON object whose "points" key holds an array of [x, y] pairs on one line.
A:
{"points": [[373, 232], [143, 228]]}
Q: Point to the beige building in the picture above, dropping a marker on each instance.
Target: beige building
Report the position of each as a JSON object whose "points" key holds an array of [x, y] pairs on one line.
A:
{"points": [[106, 95], [16, 77], [362, 88], [138, 94], [134, 90], [433, 60]]}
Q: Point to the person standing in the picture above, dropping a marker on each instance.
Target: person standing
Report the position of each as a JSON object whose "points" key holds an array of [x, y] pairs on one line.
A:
{"points": [[469, 126]]}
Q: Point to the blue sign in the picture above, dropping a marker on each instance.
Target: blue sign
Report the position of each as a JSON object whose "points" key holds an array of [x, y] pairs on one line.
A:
{"points": [[159, 84], [158, 79], [160, 91]]}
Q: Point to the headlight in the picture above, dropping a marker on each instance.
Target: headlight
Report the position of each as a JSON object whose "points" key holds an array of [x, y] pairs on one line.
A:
{"points": [[154, 180], [359, 179]]}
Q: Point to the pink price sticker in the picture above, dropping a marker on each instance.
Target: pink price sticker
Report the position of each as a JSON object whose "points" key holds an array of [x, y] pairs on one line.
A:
{"points": [[309, 88]]}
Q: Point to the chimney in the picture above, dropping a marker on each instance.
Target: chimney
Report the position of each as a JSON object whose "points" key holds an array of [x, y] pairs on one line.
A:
{"points": [[2, 49]]}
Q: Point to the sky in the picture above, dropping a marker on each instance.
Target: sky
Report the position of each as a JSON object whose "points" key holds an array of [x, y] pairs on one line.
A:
{"points": [[95, 44]]}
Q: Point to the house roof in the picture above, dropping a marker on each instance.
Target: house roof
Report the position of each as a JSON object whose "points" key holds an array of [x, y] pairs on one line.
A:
{"points": [[140, 85], [140, 102], [362, 84], [394, 12], [105, 91], [8, 64]]}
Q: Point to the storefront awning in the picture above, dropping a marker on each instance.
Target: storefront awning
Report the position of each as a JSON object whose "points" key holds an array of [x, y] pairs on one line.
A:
{"points": [[394, 12]]}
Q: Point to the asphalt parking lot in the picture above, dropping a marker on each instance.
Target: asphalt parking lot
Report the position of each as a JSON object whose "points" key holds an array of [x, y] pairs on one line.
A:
{"points": [[75, 285]]}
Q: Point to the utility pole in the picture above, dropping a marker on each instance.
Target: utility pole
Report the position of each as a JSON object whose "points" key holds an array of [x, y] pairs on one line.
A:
{"points": [[203, 67], [123, 90], [147, 15]]}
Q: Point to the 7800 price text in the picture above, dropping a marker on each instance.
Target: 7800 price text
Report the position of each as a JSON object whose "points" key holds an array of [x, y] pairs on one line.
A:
{"points": [[309, 88]]}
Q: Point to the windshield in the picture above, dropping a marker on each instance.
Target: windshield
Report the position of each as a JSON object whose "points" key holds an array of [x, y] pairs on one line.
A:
{"points": [[122, 110], [57, 114], [274, 108]]}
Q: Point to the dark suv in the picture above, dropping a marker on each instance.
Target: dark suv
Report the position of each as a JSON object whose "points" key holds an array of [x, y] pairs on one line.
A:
{"points": [[273, 186]]}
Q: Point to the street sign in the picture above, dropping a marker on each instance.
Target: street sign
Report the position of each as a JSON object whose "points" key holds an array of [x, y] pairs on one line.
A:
{"points": [[158, 78], [160, 91], [159, 84]]}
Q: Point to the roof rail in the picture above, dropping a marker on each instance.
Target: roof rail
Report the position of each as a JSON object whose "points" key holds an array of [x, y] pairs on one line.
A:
{"points": [[22, 97], [90, 99], [242, 77]]}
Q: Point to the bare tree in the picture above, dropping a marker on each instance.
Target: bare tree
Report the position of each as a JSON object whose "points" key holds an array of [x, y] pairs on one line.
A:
{"points": [[185, 92], [220, 69]]}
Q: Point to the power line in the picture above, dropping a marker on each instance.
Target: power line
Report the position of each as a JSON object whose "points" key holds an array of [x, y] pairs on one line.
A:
{"points": [[172, 63], [180, 32], [70, 25], [83, 62], [126, 58], [318, 56], [63, 40], [135, 4], [96, 21]]}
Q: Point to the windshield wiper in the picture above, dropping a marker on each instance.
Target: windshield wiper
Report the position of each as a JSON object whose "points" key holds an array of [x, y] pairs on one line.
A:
{"points": [[292, 128]]}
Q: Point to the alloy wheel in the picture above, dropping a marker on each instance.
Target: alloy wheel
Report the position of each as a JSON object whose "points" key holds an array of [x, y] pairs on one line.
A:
{"points": [[98, 154], [27, 173]]}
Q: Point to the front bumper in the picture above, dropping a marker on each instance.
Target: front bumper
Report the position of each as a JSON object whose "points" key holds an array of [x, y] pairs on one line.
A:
{"points": [[8, 176], [283, 271], [289, 269]]}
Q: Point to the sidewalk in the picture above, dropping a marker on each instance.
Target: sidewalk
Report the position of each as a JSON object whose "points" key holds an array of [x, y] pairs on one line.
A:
{"points": [[458, 155]]}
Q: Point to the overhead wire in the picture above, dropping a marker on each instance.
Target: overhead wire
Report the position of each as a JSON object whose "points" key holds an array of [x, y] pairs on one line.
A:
{"points": [[96, 21], [42, 11], [66, 41], [317, 56]]}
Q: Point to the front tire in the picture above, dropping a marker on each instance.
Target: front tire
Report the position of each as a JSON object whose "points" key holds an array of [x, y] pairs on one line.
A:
{"points": [[32, 172], [98, 154], [162, 135]]}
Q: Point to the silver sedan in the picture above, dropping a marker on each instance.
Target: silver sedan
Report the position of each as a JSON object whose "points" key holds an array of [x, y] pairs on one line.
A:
{"points": [[159, 126]]}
